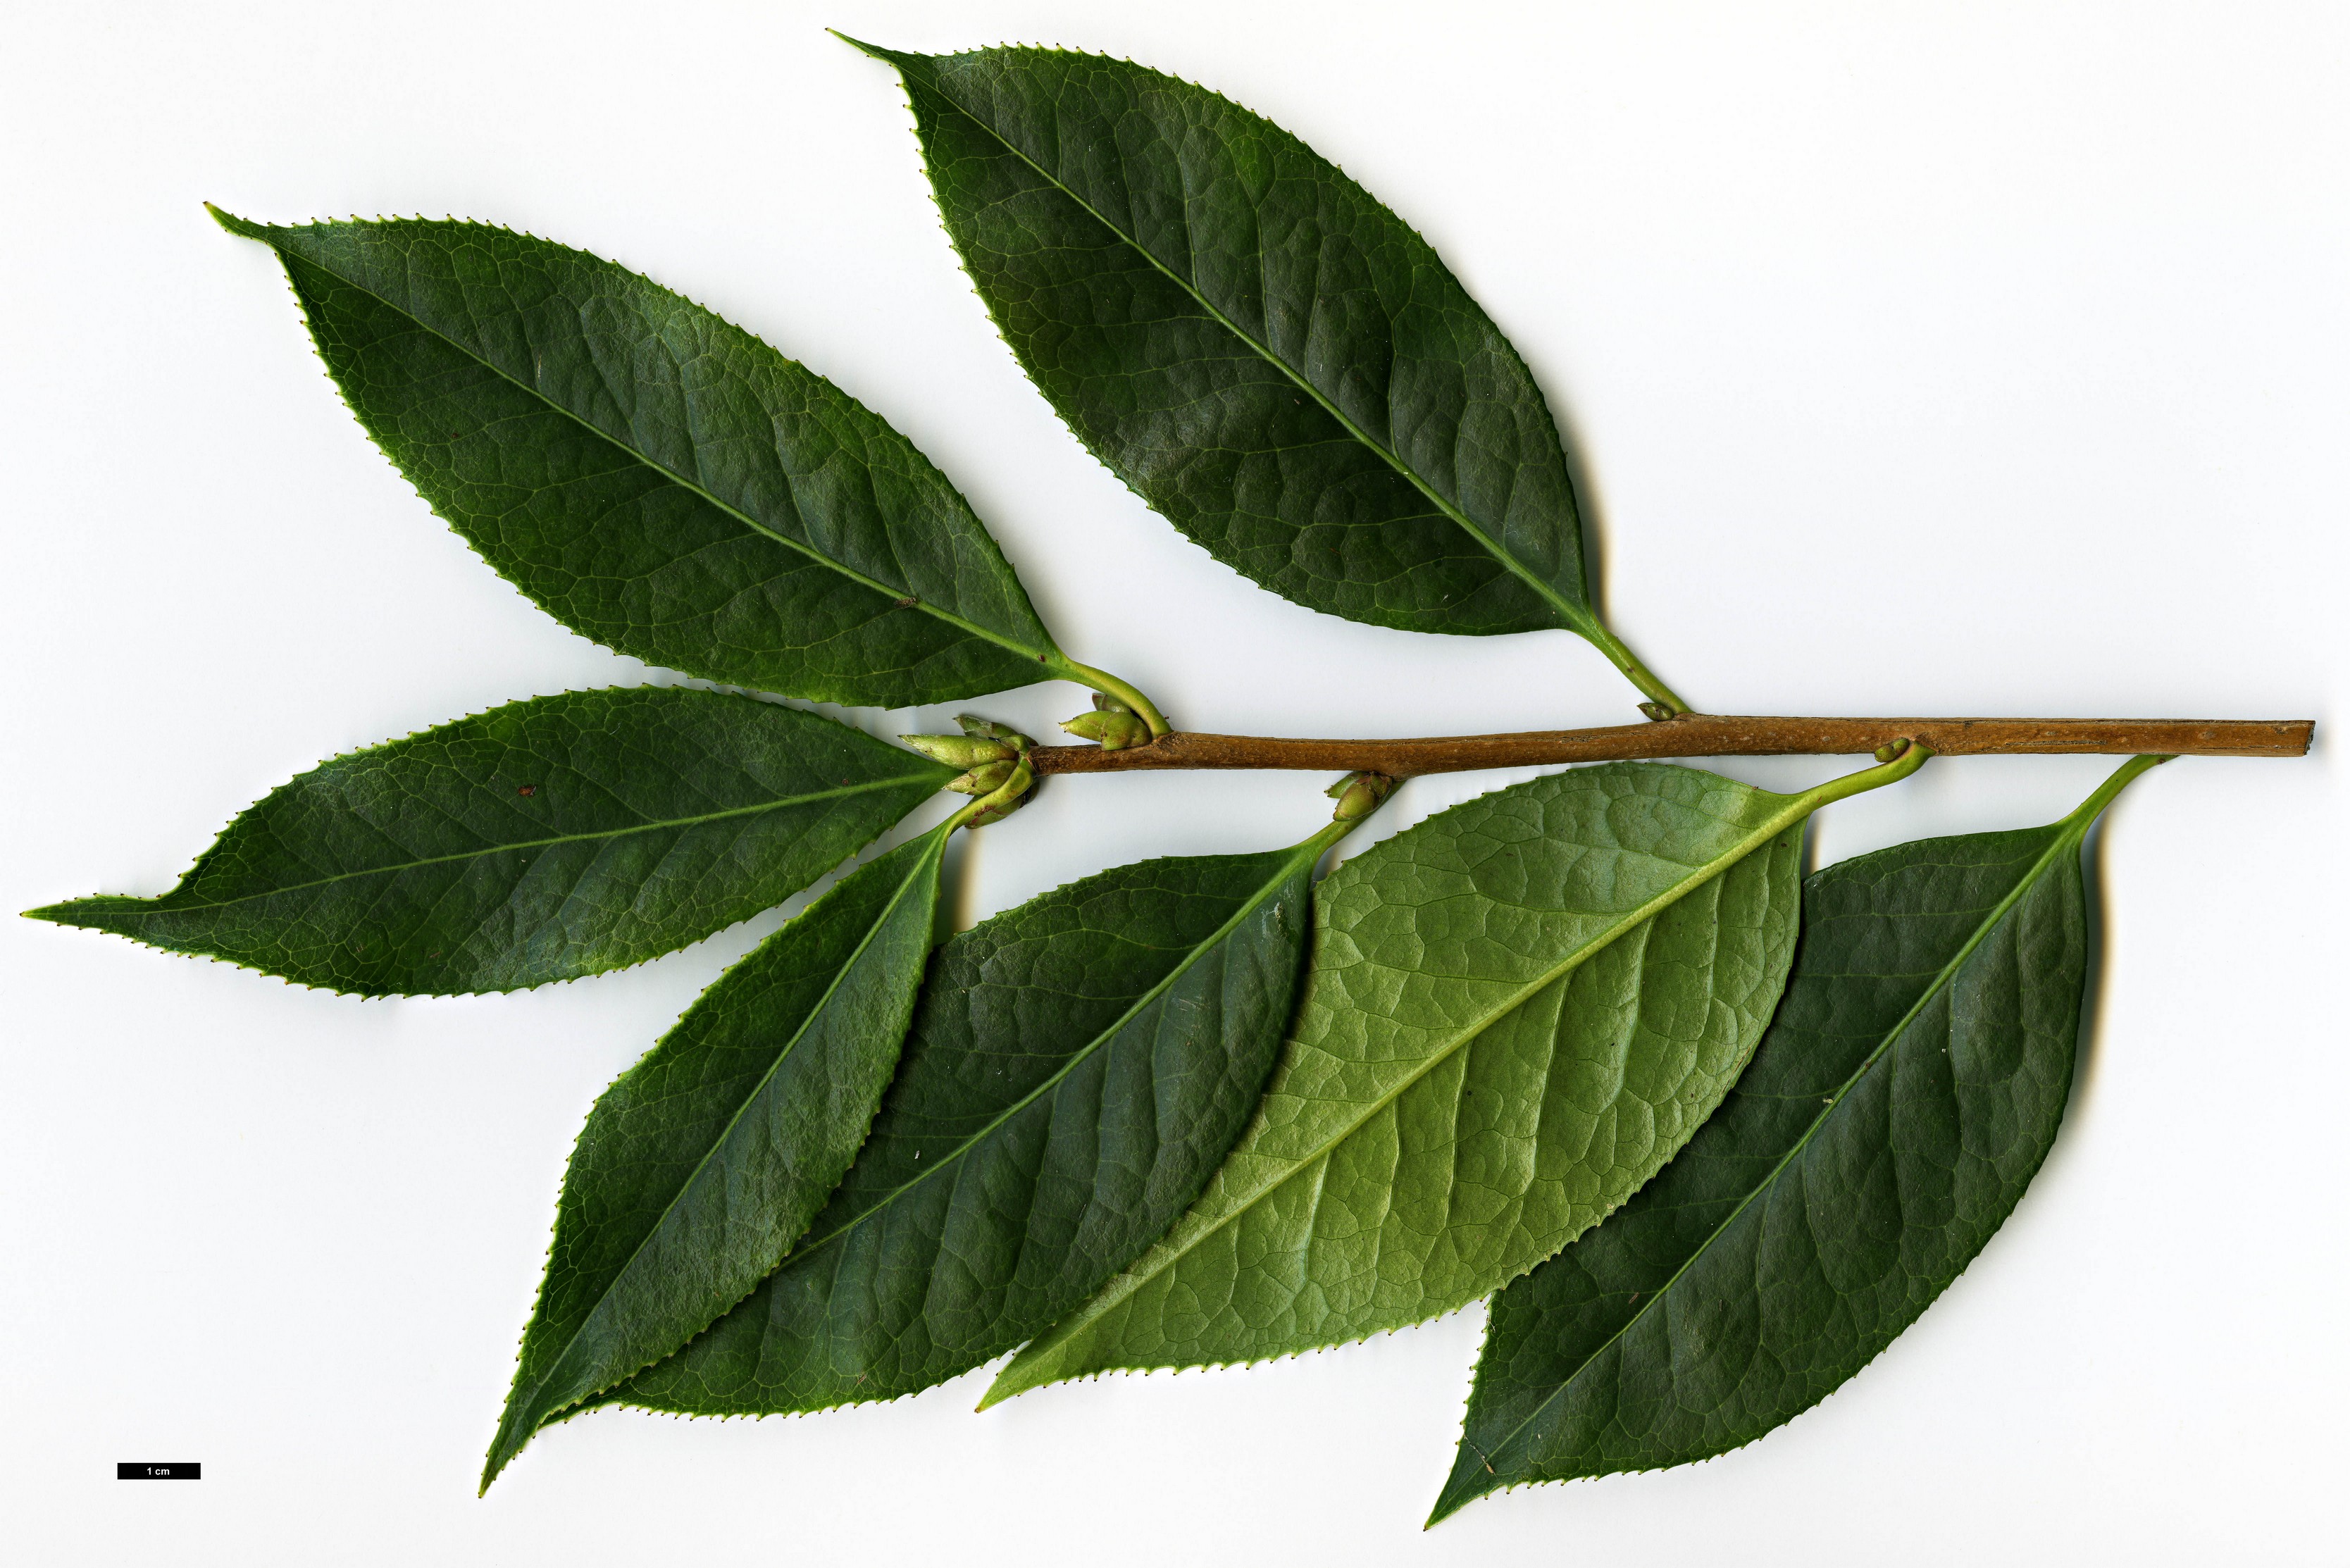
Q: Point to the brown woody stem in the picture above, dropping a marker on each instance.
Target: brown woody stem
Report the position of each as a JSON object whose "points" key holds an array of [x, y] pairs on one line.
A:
{"points": [[1698, 735]]}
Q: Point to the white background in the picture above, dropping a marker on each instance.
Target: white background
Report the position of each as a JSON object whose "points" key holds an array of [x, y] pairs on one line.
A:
{"points": [[1975, 358]]}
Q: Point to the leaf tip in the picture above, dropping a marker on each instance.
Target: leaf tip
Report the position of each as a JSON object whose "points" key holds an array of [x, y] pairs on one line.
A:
{"points": [[75, 913], [874, 50], [1451, 1501], [1019, 1375], [503, 1449], [244, 227]]}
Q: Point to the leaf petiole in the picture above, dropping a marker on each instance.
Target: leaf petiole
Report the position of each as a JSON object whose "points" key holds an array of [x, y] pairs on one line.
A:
{"points": [[1911, 757], [2089, 809], [1110, 685], [1638, 673]]}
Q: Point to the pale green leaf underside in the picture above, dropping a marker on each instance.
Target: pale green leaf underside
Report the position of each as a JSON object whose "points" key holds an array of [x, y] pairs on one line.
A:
{"points": [[1517, 1010], [705, 1161]]}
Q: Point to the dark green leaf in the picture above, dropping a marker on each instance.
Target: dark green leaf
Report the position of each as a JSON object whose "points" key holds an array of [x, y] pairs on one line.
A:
{"points": [[542, 840], [1516, 1012], [1905, 1094], [1248, 338], [1078, 1065], [655, 477], [706, 1160]]}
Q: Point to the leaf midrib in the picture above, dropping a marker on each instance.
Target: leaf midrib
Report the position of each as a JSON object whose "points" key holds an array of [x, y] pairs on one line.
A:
{"points": [[1044, 654], [161, 905], [1577, 616], [2068, 839], [897, 898], [1306, 854], [1775, 824]]}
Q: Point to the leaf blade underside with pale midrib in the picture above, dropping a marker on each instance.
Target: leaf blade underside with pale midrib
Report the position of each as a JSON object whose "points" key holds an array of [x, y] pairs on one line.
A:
{"points": [[1077, 1067], [1516, 1012], [543, 840], [1263, 352], [702, 1164], [1908, 1089], [655, 477]]}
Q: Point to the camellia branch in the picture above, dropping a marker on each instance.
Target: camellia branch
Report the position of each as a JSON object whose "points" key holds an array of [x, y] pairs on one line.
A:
{"points": [[1698, 735]]}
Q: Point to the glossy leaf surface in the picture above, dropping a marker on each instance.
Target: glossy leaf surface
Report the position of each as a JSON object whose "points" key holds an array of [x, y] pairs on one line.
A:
{"points": [[1259, 349], [543, 840], [1517, 1010], [1078, 1065], [1910, 1087], [654, 477], [702, 1164]]}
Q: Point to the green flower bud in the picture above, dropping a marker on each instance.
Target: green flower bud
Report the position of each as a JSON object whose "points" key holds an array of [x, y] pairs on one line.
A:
{"points": [[960, 750], [1114, 729], [1359, 794], [1660, 711], [985, 779], [988, 729]]}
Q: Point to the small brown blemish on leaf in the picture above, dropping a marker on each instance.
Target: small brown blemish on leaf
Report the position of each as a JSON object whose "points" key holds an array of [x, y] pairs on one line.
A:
{"points": [[527, 789], [909, 602]]}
